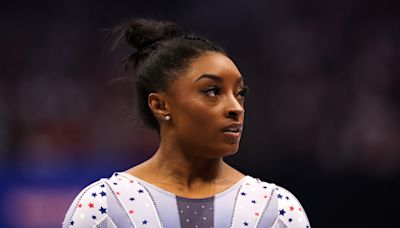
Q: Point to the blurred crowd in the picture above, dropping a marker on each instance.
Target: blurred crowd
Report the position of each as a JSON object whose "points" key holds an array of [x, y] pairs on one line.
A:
{"points": [[323, 78]]}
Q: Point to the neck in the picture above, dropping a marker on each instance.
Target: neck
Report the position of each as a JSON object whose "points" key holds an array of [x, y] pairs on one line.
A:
{"points": [[177, 167], [185, 172]]}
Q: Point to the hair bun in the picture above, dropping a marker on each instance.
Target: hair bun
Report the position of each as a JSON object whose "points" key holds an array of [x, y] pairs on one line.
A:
{"points": [[140, 33]]}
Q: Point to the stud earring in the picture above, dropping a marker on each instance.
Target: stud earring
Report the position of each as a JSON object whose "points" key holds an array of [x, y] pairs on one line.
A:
{"points": [[167, 117]]}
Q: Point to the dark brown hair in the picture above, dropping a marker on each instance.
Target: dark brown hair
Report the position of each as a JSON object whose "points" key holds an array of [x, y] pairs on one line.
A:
{"points": [[162, 52]]}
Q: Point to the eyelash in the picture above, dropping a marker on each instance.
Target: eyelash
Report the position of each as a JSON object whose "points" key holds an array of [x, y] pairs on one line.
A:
{"points": [[244, 91], [217, 91]]}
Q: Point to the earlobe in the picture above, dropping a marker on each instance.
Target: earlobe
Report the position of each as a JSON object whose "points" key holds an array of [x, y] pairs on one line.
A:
{"points": [[157, 104]]}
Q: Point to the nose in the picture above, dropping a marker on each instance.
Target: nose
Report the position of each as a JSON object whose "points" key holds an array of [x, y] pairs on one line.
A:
{"points": [[234, 108]]}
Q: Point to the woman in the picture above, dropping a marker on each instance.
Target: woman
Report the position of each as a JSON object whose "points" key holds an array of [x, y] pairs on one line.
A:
{"points": [[192, 93]]}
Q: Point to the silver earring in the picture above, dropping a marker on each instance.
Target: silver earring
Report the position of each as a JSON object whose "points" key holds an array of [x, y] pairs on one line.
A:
{"points": [[167, 117]]}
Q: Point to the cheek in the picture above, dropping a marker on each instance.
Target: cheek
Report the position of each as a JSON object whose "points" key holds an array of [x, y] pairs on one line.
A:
{"points": [[198, 115], [201, 114]]}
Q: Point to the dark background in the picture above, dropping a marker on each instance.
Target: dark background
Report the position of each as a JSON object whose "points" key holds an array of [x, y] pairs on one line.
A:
{"points": [[322, 117]]}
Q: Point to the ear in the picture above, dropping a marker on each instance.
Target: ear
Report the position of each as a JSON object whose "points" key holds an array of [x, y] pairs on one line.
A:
{"points": [[157, 104]]}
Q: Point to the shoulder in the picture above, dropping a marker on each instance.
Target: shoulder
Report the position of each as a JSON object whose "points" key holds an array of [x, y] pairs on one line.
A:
{"points": [[89, 207], [109, 202], [280, 204], [290, 211]]}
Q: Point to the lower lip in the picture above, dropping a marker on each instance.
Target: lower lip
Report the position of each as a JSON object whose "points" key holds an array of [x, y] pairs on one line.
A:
{"points": [[233, 135]]}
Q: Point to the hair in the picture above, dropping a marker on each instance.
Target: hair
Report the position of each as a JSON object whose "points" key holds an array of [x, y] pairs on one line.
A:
{"points": [[162, 53]]}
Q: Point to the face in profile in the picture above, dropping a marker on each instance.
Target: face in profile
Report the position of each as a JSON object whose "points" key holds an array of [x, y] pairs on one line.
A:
{"points": [[206, 105]]}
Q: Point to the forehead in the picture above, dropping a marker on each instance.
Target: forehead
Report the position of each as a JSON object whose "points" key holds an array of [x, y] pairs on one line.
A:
{"points": [[212, 63]]}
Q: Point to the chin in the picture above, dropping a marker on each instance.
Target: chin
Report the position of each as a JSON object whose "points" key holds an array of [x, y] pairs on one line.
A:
{"points": [[231, 153], [221, 150], [230, 150]]}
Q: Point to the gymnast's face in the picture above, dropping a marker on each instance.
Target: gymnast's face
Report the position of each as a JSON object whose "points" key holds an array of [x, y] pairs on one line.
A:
{"points": [[206, 107]]}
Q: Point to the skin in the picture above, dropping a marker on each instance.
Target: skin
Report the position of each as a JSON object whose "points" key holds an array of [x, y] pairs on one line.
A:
{"points": [[200, 102]]}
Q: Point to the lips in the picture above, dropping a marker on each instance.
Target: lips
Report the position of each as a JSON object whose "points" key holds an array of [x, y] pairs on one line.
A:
{"points": [[233, 128]]}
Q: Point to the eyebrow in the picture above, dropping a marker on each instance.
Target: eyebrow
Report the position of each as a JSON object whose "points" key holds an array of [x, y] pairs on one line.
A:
{"points": [[216, 78]]}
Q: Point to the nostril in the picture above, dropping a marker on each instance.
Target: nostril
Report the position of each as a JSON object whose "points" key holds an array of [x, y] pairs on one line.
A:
{"points": [[232, 114]]}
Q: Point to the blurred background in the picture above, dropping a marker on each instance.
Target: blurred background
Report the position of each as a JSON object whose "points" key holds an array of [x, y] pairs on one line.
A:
{"points": [[322, 117]]}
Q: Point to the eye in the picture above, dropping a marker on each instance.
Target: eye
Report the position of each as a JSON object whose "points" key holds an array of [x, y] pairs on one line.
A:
{"points": [[244, 91], [212, 92]]}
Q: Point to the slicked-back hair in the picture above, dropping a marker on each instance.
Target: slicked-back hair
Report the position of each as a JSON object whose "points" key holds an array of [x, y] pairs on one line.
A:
{"points": [[162, 53]]}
